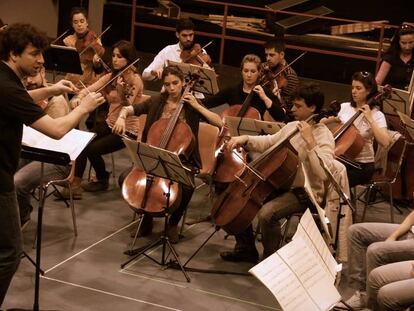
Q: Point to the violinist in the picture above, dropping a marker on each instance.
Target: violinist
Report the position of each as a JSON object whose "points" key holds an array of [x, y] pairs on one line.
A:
{"points": [[285, 84], [371, 124], [174, 52], [164, 106], [311, 141], [81, 39], [398, 62], [235, 95], [125, 90]]}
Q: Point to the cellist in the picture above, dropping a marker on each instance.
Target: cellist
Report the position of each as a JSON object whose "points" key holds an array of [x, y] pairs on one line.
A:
{"points": [[87, 44], [262, 99], [163, 107], [371, 124], [311, 141]]}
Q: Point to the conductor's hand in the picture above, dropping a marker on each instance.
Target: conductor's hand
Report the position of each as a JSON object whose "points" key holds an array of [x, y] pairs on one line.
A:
{"points": [[64, 86], [157, 73], [237, 142], [70, 41], [119, 126], [91, 101]]}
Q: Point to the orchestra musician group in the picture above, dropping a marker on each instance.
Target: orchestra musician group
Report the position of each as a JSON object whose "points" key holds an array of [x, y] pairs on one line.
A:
{"points": [[268, 90]]}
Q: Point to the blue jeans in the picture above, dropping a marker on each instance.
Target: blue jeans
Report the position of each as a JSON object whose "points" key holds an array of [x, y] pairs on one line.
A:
{"points": [[10, 240]]}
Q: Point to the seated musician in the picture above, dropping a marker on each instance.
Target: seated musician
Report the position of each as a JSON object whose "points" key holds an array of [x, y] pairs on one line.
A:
{"points": [[311, 141], [184, 31], [163, 107], [371, 124], [262, 100], [284, 85], [27, 177], [81, 39], [125, 90]]}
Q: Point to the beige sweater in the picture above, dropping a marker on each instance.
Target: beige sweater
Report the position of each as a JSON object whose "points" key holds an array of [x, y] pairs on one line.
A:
{"points": [[310, 161]]}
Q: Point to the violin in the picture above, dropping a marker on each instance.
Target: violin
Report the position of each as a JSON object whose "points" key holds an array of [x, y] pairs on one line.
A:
{"points": [[196, 55]]}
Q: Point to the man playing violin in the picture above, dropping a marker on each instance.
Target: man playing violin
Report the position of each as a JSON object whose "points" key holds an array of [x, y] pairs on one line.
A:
{"points": [[311, 143], [174, 52], [286, 83]]}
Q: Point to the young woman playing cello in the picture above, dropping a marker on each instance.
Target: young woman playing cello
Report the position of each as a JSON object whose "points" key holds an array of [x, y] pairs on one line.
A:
{"points": [[163, 107], [262, 99], [371, 124]]}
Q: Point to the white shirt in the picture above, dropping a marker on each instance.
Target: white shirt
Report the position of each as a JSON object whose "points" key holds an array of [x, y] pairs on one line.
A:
{"points": [[170, 52], [364, 128]]}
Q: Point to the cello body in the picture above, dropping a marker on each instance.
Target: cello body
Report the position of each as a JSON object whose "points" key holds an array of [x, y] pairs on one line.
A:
{"points": [[236, 207]]}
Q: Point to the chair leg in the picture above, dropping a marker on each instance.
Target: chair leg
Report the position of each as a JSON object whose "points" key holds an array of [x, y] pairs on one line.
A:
{"points": [[368, 193], [113, 167], [391, 203], [72, 208], [285, 232]]}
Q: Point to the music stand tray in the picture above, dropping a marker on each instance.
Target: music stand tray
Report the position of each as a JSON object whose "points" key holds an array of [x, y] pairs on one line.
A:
{"points": [[59, 58], [207, 82], [164, 164], [245, 126]]}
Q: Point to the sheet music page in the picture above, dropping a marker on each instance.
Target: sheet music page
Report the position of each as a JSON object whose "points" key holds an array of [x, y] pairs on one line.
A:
{"points": [[313, 277], [72, 143], [309, 233], [276, 275]]}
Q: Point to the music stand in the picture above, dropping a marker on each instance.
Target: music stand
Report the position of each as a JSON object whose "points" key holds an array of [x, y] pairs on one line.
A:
{"points": [[59, 58], [164, 164], [408, 125], [245, 126], [399, 101], [207, 81]]}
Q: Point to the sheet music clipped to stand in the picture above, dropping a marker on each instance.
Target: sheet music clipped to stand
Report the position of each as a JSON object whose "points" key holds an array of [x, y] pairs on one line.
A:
{"points": [[72, 143], [301, 274]]}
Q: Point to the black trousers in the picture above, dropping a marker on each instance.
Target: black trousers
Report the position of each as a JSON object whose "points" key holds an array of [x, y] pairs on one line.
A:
{"points": [[360, 176]]}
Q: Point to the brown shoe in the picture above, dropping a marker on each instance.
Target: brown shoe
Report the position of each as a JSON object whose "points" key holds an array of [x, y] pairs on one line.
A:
{"points": [[172, 234], [94, 186], [65, 195]]}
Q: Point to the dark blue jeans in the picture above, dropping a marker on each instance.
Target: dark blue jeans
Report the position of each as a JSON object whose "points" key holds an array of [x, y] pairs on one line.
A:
{"points": [[10, 240]]}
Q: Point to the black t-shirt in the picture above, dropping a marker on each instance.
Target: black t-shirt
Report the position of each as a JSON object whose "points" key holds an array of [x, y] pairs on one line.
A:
{"points": [[400, 73], [16, 108]]}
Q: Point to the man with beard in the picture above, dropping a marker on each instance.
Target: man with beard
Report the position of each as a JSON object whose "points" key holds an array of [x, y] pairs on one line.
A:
{"points": [[184, 31]]}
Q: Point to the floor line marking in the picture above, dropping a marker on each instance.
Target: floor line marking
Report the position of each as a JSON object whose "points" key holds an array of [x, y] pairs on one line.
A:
{"points": [[90, 246], [109, 293], [198, 290]]}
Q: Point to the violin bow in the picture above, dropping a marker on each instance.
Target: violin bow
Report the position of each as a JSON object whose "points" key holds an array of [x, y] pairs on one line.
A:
{"points": [[60, 36], [118, 75], [290, 64], [93, 41]]}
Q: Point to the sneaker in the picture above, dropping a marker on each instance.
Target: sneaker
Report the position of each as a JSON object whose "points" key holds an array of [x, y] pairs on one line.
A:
{"points": [[241, 256], [94, 186], [358, 301]]}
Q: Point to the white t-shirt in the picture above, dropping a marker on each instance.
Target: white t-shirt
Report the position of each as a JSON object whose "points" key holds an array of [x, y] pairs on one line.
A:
{"points": [[364, 128]]}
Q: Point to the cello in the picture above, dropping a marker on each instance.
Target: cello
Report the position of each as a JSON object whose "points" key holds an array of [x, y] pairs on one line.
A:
{"points": [[348, 141], [274, 169], [146, 192]]}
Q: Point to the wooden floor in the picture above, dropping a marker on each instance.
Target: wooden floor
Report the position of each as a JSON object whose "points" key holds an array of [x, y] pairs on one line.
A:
{"points": [[84, 273]]}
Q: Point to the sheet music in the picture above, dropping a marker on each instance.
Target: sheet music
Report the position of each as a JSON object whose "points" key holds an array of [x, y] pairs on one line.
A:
{"points": [[276, 275], [408, 124], [309, 233], [246, 126], [297, 280], [72, 143]]}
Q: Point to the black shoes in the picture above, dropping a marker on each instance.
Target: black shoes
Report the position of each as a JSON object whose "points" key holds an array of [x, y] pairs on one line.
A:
{"points": [[241, 256]]}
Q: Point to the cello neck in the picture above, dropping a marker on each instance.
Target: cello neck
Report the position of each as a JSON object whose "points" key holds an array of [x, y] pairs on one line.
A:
{"points": [[174, 118], [246, 104], [346, 125]]}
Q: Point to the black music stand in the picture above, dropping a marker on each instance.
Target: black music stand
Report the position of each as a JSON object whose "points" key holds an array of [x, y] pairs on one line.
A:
{"points": [[59, 58], [245, 126], [164, 164], [43, 156], [206, 82]]}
